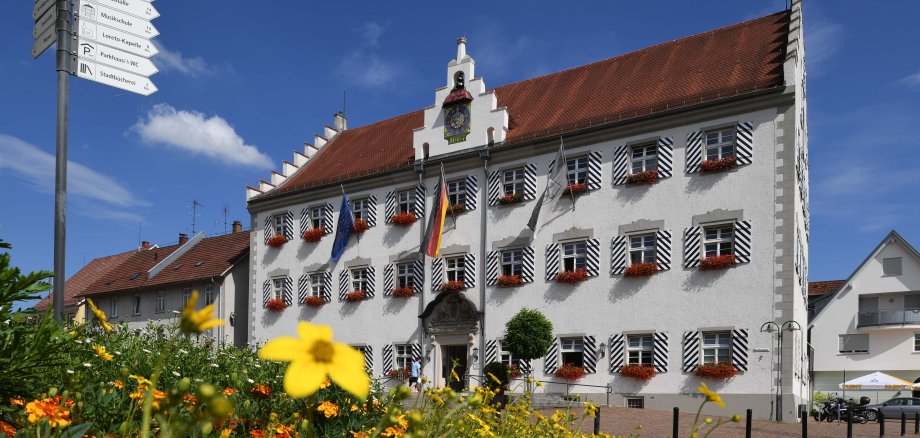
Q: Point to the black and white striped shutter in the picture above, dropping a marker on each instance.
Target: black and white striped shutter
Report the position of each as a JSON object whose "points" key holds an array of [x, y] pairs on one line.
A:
{"points": [[371, 283], [740, 349], [660, 352], [266, 292], [389, 209], [551, 361], [618, 255], [692, 252], [525, 366], [527, 265], [387, 358], [289, 225], [327, 219], [530, 182], [471, 191], [742, 241], [744, 143], [616, 344], [418, 206], [694, 151], [663, 249], [620, 165], [590, 354], [492, 268], [268, 230], [469, 270], [593, 257], [665, 157], [691, 344], [287, 294], [327, 286], [343, 283], [389, 275], [303, 288], [305, 222], [594, 171], [495, 186], [437, 273], [491, 351], [552, 261], [368, 352], [372, 211], [418, 274]]}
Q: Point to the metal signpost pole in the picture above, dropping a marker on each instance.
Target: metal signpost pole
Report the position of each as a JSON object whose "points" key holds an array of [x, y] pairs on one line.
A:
{"points": [[64, 28]]}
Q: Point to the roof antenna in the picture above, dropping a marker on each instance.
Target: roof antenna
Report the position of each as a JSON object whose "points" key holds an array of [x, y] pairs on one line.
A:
{"points": [[226, 210], [139, 227], [195, 205]]}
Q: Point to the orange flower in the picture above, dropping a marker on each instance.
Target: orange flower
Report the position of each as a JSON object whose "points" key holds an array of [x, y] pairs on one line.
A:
{"points": [[157, 396], [189, 398], [325, 384], [7, 428], [16, 401], [50, 409], [261, 390], [118, 384], [229, 391], [328, 409], [256, 434]]}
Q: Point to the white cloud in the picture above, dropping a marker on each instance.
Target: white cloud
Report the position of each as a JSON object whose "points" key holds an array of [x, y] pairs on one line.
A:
{"points": [[912, 81], [36, 167], [173, 60], [364, 66], [822, 40], [194, 132]]}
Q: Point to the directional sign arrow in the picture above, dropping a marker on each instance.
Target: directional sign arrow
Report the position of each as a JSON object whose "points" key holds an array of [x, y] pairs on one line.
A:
{"points": [[44, 41], [114, 77], [137, 8], [41, 6], [116, 39], [116, 20], [131, 63], [43, 23]]}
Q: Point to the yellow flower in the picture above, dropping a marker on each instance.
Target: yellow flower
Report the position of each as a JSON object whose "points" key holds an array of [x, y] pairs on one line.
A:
{"points": [[118, 384], [354, 408], [313, 356], [225, 433], [193, 321], [100, 351], [710, 395], [100, 316], [453, 374], [590, 409], [141, 381], [328, 408]]}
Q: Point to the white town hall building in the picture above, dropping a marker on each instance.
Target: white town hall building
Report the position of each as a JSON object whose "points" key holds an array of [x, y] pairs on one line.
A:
{"points": [[688, 160]]}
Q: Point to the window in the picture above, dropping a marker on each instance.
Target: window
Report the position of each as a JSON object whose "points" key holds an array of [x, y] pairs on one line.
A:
{"points": [[513, 182], [403, 355], [917, 342], [316, 217], [278, 219], [576, 170], [717, 347], [405, 275], [359, 279], [718, 241], [136, 308], [186, 295], [70, 317], [573, 256], [635, 402], [639, 348], [456, 192], [404, 201], [644, 158], [720, 143], [642, 249], [456, 269], [209, 296], [113, 307], [277, 288], [573, 351], [360, 208], [317, 285], [891, 266], [161, 302], [507, 358], [854, 343], [513, 262]]}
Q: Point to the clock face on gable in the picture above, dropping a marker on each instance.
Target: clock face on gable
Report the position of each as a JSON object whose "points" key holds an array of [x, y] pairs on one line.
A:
{"points": [[457, 123]]}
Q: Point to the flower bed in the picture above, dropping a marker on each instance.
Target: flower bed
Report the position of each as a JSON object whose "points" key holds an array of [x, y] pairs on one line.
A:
{"points": [[456, 209], [355, 296], [719, 165], [360, 226], [571, 372], [314, 234], [509, 280], [716, 371], [647, 177], [713, 263], [276, 305], [399, 373], [403, 219], [641, 270], [575, 189], [452, 286], [572, 277], [512, 198], [638, 372], [403, 292], [314, 301], [277, 241]]}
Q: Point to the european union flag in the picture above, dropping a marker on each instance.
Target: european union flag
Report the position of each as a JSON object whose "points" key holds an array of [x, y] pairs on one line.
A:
{"points": [[344, 230]]}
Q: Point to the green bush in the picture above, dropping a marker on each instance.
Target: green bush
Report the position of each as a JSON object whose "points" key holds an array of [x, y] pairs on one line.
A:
{"points": [[528, 335], [500, 372]]}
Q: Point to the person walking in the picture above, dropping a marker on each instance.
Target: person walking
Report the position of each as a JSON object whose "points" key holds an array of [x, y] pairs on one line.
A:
{"points": [[414, 374]]}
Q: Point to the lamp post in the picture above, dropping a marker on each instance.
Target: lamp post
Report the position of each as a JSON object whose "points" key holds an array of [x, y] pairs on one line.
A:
{"points": [[771, 327]]}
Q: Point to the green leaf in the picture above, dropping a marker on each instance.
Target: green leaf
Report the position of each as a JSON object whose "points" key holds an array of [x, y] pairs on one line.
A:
{"points": [[76, 431]]}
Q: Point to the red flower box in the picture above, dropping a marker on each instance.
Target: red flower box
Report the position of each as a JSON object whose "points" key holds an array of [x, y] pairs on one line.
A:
{"points": [[277, 241], [512, 198], [638, 372], [403, 219], [513, 371], [276, 305], [403, 292], [355, 296], [719, 165], [641, 270], [575, 189], [360, 226], [713, 263], [399, 373], [314, 234], [314, 301], [716, 371], [572, 277], [647, 177], [570, 372], [452, 286], [456, 209], [509, 280]]}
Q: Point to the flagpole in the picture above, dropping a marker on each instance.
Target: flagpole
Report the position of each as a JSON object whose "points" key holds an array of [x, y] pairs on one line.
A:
{"points": [[565, 163], [444, 183]]}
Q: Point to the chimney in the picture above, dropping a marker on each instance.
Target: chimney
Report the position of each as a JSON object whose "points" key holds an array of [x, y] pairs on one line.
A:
{"points": [[237, 226], [341, 123], [183, 238], [145, 245], [461, 48]]}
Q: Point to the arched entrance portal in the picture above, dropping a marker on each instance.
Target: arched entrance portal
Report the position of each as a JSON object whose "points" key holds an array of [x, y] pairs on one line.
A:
{"points": [[452, 322]]}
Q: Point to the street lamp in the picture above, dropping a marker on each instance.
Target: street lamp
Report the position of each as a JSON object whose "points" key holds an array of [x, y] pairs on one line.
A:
{"points": [[771, 327]]}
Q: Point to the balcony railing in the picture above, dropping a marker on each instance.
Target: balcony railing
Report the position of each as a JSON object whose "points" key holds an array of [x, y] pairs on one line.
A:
{"points": [[889, 317]]}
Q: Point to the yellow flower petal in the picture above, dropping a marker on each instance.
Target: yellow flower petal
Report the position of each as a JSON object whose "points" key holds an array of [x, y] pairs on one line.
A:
{"points": [[283, 349], [347, 370], [303, 378], [309, 332]]}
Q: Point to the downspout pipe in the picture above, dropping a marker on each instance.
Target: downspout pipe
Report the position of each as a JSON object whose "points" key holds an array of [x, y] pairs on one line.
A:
{"points": [[483, 233]]}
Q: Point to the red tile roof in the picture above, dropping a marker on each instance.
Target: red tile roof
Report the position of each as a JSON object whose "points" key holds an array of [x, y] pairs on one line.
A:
{"points": [[86, 276], [209, 258], [722, 63], [818, 288], [131, 273]]}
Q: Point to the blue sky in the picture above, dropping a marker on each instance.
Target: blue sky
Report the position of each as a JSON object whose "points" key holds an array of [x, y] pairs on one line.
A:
{"points": [[241, 86]]}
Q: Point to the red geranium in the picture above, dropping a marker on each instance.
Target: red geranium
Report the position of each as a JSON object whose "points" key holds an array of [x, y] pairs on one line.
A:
{"points": [[360, 226], [314, 301], [514, 371], [571, 372], [277, 241], [314, 234], [452, 286], [456, 209], [399, 373], [403, 292], [716, 371], [276, 305], [719, 165], [403, 219], [641, 270], [355, 296], [647, 177], [713, 263], [639, 372], [511, 198], [572, 277], [575, 189], [509, 280]]}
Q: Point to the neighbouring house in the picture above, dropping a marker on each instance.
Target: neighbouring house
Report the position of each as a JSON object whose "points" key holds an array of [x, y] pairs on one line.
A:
{"points": [[872, 321], [819, 292], [77, 284], [153, 285], [677, 226]]}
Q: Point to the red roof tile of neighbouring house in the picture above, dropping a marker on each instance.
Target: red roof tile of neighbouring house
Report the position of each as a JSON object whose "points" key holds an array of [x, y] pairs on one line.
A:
{"points": [[132, 273], [818, 288], [726, 62], [86, 276], [209, 258]]}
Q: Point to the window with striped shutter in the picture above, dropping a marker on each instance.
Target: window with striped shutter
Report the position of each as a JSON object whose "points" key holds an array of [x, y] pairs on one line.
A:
{"points": [[616, 344], [288, 291], [692, 247], [660, 352], [289, 225], [528, 183], [556, 252], [418, 207], [387, 358], [743, 144], [590, 354], [740, 349], [389, 279], [266, 292], [437, 273], [665, 157], [551, 360], [528, 265], [691, 346]]}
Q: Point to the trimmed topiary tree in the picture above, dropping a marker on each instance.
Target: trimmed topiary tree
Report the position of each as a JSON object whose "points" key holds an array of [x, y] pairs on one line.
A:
{"points": [[528, 335]]}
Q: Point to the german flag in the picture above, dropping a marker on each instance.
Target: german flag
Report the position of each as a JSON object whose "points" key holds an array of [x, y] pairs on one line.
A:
{"points": [[431, 246]]}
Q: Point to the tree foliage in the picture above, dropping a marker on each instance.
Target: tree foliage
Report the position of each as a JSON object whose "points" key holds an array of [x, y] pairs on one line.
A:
{"points": [[528, 335]]}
